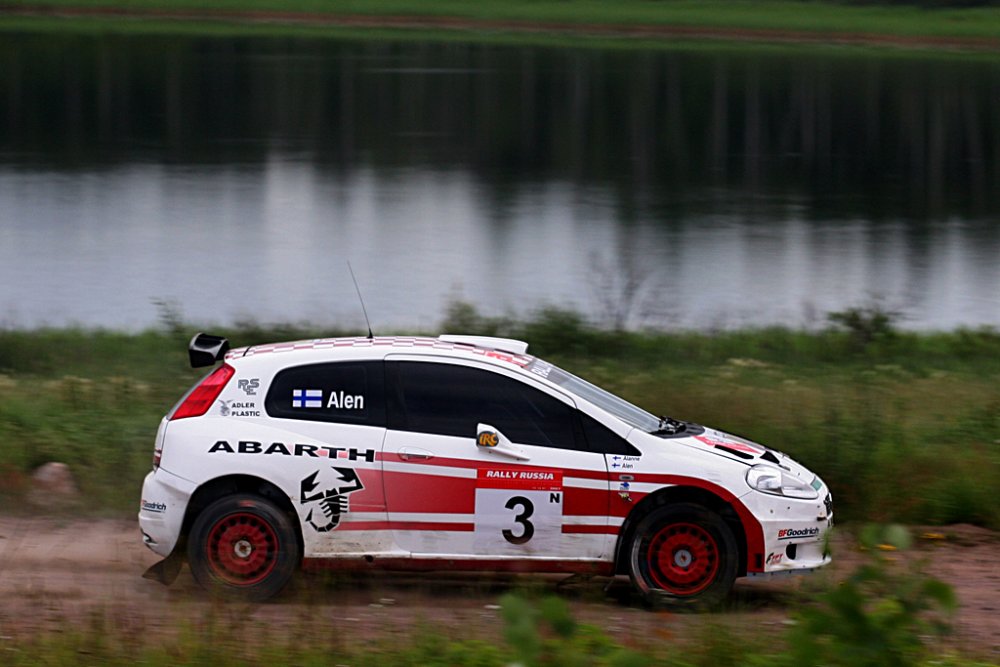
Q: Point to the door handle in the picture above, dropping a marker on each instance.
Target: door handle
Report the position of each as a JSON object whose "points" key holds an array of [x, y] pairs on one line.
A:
{"points": [[414, 454]]}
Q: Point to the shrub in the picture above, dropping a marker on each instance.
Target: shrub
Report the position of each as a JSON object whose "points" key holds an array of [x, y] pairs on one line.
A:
{"points": [[866, 324], [880, 616]]}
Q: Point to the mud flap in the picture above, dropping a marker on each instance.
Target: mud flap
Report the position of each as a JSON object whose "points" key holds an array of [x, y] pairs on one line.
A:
{"points": [[166, 570]]}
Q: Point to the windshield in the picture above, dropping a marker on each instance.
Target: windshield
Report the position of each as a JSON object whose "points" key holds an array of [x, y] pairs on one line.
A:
{"points": [[619, 407]]}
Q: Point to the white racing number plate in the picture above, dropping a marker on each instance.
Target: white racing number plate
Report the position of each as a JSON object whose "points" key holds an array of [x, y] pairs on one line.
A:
{"points": [[518, 511]]}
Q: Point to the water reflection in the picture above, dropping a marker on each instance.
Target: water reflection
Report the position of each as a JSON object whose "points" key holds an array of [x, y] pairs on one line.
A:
{"points": [[238, 175]]}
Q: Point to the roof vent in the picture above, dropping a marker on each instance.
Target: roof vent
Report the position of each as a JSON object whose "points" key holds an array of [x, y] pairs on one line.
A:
{"points": [[491, 342]]}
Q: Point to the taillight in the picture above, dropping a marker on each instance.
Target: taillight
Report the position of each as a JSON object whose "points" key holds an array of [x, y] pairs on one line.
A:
{"points": [[201, 398]]}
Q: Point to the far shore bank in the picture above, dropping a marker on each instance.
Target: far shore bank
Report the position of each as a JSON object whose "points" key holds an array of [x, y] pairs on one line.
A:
{"points": [[660, 24]]}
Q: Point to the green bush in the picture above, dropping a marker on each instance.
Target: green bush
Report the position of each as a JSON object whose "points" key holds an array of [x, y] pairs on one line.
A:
{"points": [[880, 616], [866, 324]]}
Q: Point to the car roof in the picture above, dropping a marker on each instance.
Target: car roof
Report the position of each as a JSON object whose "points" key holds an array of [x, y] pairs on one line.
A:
{"points": [[500, 349]]}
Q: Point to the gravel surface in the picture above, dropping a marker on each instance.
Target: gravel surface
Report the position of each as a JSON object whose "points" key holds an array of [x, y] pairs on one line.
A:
{"points": [[55, 572]]}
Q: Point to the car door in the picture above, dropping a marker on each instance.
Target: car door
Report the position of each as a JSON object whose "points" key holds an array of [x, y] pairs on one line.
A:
{"points": [[326, 429], [535, 492]]}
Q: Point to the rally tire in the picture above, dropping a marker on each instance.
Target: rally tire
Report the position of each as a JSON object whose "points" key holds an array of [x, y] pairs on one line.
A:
{"points": [[243, 546], [683, 556]]}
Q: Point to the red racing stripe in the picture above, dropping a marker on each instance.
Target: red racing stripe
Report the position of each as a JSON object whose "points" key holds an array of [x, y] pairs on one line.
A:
{"points": [[457, 496], [408, 525], [364, 525], [579, 529], [439, 461], [416, 492], [463, 527], [444, 527], [585, 502], [600, 568]]}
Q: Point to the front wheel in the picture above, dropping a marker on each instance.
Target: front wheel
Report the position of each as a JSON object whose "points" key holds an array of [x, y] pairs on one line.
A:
{"points": [[243, 546], [683, 555]]}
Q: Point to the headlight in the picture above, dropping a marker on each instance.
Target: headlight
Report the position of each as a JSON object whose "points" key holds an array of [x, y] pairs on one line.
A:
{"points": [[768, 479]]}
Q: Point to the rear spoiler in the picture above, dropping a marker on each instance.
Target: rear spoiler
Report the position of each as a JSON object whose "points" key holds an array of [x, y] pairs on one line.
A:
{"points": [[206, 349], [489, 342]]}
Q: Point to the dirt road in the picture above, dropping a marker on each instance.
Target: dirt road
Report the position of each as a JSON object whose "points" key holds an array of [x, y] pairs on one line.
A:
{"points": [[54, 572]]}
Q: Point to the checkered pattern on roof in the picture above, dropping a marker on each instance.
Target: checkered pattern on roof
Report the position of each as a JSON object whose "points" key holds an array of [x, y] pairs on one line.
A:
{"points": [[404, 342]]}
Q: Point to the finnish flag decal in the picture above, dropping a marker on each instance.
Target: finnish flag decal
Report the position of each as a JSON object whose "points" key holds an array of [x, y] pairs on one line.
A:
{"points": [[307, 398]]}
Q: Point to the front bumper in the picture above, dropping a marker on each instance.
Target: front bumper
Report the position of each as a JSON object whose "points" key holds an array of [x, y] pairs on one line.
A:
{"points": [[161, 511], [786, 554], [796, 532]]}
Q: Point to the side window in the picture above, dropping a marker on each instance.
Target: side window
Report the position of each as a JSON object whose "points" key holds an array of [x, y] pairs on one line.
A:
{"points": [[342, 392], [452, 400], [603, 440]]}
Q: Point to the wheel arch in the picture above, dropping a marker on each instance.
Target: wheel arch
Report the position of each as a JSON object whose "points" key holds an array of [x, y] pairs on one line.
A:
{"points": [[221, 487], [749, 538]]}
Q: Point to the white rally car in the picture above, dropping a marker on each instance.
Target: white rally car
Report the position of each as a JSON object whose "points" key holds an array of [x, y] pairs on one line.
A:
{"points": [[458, 453]]}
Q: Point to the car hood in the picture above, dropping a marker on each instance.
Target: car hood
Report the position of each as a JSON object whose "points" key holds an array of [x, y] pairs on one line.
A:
{"points": [[745, 451]]}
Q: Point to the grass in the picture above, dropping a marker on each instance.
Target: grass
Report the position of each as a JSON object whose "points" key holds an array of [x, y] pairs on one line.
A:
{"points": [[533, 632], [525, 628], [903, 426], [819, 18], [221, 637], [97, 27]]}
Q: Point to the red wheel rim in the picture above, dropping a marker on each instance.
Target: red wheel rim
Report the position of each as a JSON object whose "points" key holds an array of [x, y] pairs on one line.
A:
{"points": [[683, 558], [242, 549]]}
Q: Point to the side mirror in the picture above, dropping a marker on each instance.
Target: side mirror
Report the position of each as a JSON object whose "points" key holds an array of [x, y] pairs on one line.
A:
{"points": [[492, 441]]}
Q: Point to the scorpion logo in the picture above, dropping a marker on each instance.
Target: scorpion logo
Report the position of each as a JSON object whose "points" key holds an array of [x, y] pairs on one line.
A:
{"points": [[333, 501]]}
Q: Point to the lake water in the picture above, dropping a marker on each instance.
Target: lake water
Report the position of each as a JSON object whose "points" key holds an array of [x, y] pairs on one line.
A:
{"points": [[235, 178]]}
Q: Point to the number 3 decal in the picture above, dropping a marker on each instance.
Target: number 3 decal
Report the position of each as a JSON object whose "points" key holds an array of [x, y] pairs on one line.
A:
{"points": [[527, 509]]}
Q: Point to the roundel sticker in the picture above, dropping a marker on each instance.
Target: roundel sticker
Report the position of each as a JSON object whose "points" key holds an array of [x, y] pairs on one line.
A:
{"points": [[488, 439]]}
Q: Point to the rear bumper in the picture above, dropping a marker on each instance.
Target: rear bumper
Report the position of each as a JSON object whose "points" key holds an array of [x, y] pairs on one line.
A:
{"points": [[161, 511]]}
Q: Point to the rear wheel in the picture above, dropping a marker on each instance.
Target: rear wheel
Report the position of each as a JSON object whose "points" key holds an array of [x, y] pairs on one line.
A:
{"points": [[683, 555], [243, 546]]}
